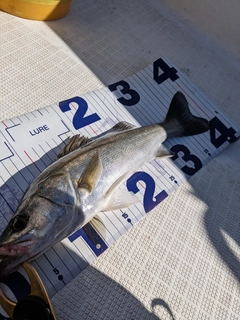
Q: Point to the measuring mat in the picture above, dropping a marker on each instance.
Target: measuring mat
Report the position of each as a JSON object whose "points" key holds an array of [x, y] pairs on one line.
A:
{"points": [[31, 142]]}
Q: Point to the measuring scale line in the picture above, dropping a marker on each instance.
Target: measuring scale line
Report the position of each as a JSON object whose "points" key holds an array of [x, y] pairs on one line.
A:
{"points": [[32, 160]]}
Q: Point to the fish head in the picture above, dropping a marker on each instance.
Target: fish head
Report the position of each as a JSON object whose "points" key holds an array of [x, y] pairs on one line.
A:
{"points": [[35, 226]]}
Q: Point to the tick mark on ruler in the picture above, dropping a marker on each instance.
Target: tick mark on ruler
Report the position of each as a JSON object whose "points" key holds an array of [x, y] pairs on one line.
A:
{"points": [[32, 160]]}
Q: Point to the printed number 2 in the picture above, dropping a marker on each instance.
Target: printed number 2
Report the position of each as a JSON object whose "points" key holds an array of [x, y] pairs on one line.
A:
{"points": [[149, 201], [79, 121], [125, 89]]}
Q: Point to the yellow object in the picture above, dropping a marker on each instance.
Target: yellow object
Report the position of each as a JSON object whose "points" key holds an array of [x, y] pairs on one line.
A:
{"points": [[37, 301], [36, 9]]}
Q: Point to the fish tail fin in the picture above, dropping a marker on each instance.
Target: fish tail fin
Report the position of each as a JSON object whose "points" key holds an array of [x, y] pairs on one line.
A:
{"points": [[180, 121]]}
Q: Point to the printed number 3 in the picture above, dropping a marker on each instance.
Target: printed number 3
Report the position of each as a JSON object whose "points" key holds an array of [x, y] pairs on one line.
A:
{"points": [[197, 164], [79, 121], [124, 87]]}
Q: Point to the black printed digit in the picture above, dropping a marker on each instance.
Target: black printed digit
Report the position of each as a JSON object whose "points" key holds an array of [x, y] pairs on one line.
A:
{"points": [[149, 200], [226, 134], [197, 164], [131, 96], [79, 119], [166, 72]]}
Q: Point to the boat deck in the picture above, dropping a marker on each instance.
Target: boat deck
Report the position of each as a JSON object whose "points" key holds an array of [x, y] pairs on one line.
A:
{"points": [[182, 261]]}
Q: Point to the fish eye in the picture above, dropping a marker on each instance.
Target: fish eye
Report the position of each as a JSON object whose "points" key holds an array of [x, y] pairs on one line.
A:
{"points": [[19, 222]]}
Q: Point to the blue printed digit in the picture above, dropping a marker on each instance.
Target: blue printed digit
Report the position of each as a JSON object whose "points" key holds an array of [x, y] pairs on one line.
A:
{"points": [[91, 237], [126, 217], [79, 119], [149, 200], [166, 71]]}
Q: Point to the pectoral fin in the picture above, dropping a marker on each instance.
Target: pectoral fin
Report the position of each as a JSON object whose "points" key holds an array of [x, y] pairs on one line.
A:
{"points": [[91, 174], [120, 198]]}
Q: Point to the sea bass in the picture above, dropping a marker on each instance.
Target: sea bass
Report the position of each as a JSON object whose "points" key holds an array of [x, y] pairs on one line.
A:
{"points": [[85, 180]]}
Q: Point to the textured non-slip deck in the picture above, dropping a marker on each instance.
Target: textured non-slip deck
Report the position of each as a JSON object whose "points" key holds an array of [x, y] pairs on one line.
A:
{"points": [[181, 261]]}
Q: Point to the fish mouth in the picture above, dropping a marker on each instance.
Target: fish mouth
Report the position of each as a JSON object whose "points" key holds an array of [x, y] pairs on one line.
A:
{"points": [[12, 255], [15, 249]]}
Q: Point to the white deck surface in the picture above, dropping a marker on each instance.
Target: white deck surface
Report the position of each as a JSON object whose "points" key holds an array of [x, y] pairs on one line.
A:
{"points": [[182, 261]]}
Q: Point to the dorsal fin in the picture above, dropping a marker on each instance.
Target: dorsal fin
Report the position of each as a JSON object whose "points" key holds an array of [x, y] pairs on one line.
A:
{"points": [[119, 127], [79, 141], [74, 143], [122, 126]]}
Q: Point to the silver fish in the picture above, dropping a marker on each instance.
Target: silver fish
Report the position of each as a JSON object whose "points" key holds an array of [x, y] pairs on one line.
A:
{"points": [[85, 180]]}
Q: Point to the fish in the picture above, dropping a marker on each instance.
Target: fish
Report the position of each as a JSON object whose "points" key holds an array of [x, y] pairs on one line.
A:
{"points": [[86, 179]]}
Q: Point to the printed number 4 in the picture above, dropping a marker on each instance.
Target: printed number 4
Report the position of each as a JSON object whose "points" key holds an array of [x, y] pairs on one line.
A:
{"points": [[168, 72], [79, 119], [226, 134]]}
